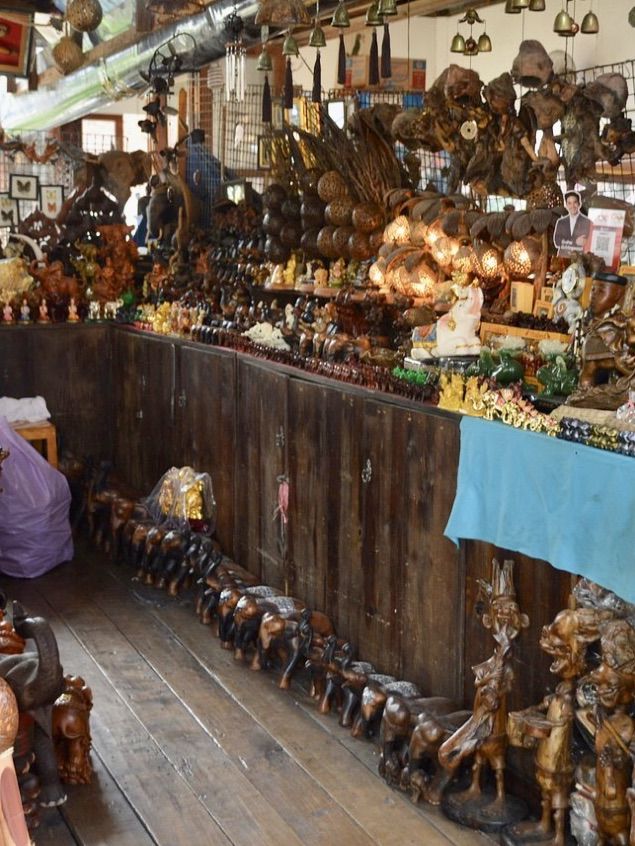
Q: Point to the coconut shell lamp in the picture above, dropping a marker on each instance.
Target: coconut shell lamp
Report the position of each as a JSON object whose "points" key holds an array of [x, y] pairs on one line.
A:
{"points": [[84, 15], [521, 258]]}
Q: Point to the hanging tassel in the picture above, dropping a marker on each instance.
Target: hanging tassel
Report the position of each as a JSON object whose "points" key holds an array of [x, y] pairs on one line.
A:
{"points": [[373, 67], [267, 113], [288, 86], [386, 69], [341, 62], [316, 95]]}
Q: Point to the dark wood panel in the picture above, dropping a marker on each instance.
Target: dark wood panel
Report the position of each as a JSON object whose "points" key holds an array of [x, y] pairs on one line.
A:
{"points": [[207, 426], [70, 368], [144, 376], [261, 435]]}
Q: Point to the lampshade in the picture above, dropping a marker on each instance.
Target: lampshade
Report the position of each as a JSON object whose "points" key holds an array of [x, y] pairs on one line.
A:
{"points": [[264, 61], [290, 46], [563, 23], [317, 37], [340, 16], [510, 9], [458, 44], [387, 7], [373, 18], [537, 5], [484, 43], [590, 24]]}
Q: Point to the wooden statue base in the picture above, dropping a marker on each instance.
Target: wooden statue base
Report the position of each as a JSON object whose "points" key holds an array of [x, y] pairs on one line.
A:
{"points": [[528, 833], [483, 811]]}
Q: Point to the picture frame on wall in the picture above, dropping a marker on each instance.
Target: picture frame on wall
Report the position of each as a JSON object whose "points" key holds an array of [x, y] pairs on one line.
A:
{"points": [[264, 152], [9, 212], [16, 38], [51, 200], [24, 186]]}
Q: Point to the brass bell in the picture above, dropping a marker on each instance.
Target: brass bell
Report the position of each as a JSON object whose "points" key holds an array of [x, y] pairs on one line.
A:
{"points": [[510, 9], [471, 47], [484, 43], [590, 24], [373, 18], [290, 46], [537, 5], [520, 4], [563, 23], [387, 8], [264, 62], [317, 37], [458, 44], [340, 16]]}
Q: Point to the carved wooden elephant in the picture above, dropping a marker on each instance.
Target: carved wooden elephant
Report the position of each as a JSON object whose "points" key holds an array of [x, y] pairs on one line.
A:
{"points": [[227, 604], [374, 698], [170, 558], [250, 610], [428, 734], [71, 731], [36, 679]]}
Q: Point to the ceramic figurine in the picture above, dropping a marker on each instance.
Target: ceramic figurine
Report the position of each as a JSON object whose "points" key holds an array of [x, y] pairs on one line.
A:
{"points": [[484, 734], [548, 727], [73, 316], [25, 312], [43, 313], [7, 313], [94, 310]]}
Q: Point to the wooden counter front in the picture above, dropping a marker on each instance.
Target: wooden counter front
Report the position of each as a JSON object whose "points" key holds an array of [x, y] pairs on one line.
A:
{"points": [[371, 483]]}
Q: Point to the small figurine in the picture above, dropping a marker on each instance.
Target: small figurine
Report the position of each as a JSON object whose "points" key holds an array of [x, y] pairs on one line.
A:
{"points": [[43, 312], [94, 310], [7, 313], [73, 316], [25, 312]]}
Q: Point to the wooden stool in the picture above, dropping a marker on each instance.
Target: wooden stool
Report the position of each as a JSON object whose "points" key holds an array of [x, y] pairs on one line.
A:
{"points": [[41, 431]]}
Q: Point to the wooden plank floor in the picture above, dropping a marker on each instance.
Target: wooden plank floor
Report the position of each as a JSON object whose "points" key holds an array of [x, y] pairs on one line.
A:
{"points": [[191, 748]]}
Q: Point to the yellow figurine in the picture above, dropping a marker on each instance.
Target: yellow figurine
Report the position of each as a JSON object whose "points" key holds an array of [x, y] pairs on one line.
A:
{"points": [[452, 388]]}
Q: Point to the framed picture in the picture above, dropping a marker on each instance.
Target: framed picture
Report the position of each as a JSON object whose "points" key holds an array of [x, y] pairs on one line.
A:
{"points": [[9, 214], [277, 114], [264, 152], [23, 186], [16, 36], [543, 308], [51, 199]]}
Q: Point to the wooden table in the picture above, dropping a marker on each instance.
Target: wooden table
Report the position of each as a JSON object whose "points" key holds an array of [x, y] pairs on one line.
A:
{"points": [[42, 431]]}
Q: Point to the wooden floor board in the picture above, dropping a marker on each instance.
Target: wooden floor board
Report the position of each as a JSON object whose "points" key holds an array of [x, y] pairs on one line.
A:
{"points": [[192, 747]]}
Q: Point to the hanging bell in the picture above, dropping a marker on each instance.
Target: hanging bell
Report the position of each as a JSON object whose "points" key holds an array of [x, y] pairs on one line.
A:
{"points": [[387, 8], [373, 18], [458, 44], [590, 24], [484, 43], [471, 47], [340, 16], [290, 46], [510, 9], [563, 23], [264, 61], [537, 5], [520, 4], [317, 37]]}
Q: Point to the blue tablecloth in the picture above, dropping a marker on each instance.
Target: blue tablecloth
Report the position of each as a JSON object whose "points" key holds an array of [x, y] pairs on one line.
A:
{"points": [[571, 505]]}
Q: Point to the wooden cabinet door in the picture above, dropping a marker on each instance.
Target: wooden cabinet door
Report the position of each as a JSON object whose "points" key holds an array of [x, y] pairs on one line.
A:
{"points": [[15, 362], [325, 564], [144, 377], [413, 575], [261, 465], [207, 426]]}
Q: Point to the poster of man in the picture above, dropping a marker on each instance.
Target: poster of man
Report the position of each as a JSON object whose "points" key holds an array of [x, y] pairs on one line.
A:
{"points": [[572, 232], [15, 44]]}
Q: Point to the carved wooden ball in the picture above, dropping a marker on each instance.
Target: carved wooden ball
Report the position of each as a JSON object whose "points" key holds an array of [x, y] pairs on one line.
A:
{"points": [[67, 55], [331, 186], [338, 212], [341, 240], [367, 217], [84, 15]]}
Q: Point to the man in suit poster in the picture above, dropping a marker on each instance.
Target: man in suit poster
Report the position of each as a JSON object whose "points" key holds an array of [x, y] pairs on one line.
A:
{"points": [[572, 232]]}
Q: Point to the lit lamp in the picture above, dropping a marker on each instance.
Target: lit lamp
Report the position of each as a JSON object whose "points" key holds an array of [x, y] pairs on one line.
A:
{"points": [[422, 281], [397, 231], [444, 250], [487, 262], [435, 231], [418, 231], [462, 261], [520, 258]]}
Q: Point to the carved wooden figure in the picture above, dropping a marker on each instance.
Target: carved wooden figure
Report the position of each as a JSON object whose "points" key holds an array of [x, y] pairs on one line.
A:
{"points": [[484, 735], [548, 726], [71, 731]]}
